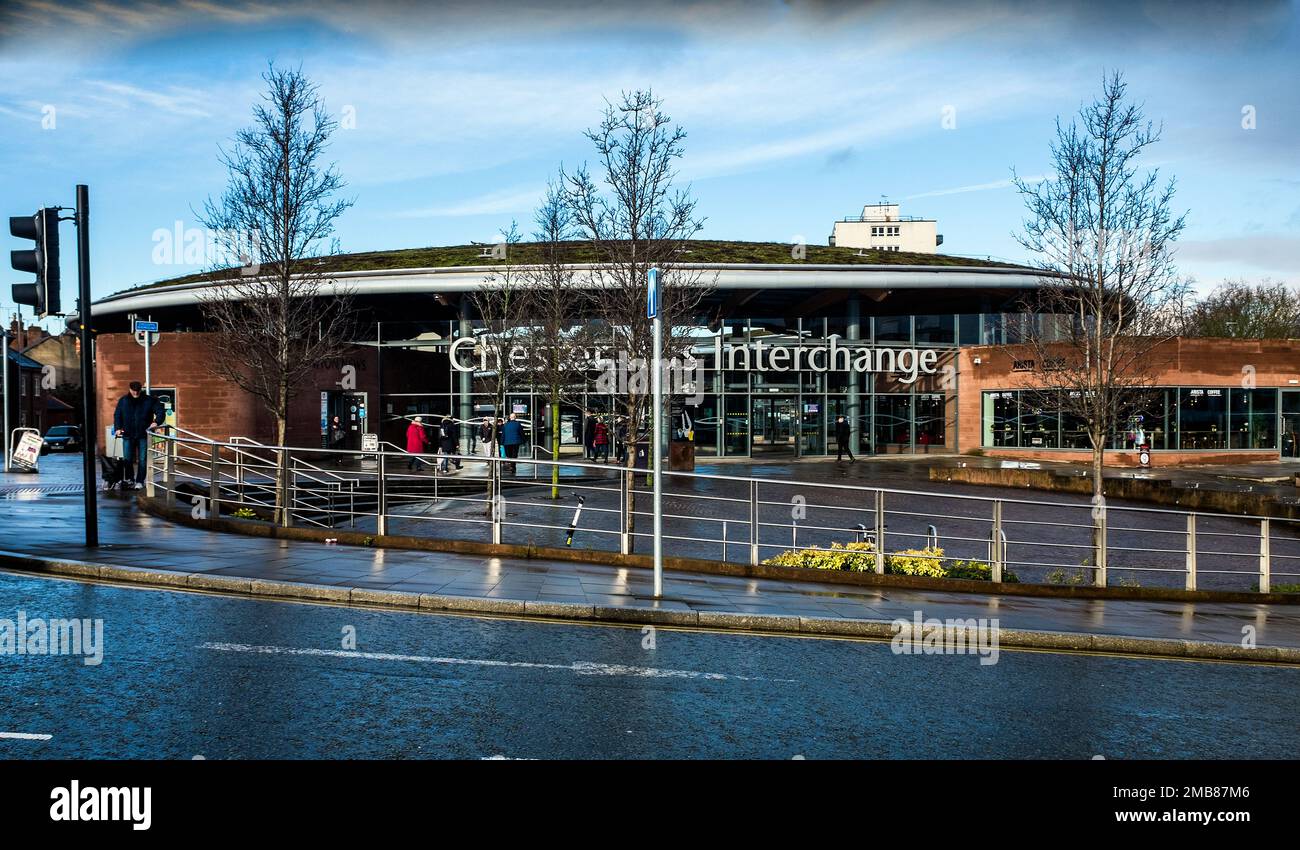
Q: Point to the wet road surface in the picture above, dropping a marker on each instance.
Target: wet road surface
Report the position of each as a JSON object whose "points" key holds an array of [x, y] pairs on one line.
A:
{"points": [[186, 674]]}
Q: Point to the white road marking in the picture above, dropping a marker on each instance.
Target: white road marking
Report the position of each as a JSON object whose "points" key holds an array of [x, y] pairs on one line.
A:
{"points": [[582, 668], [26, 736]]}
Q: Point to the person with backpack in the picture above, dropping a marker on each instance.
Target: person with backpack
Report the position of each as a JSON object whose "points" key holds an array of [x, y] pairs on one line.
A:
{"points": [[449, 439], [135, 418], [417, 442], [843, 439]]}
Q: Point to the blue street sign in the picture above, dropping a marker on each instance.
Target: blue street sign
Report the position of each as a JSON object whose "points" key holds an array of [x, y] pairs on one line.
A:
{"points": [[652, 295], [142, 327]]}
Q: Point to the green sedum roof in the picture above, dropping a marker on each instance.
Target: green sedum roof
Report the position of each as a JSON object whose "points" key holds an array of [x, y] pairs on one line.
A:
{"points": [[697, 251]]}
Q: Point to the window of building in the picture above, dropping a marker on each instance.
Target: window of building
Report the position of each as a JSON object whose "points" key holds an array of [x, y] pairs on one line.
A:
{"points": [[935, 330], [930, 422], [893, 423], [1001, 418], [893, 328], [1040, 422], [1253, 419], [1203, 418]]}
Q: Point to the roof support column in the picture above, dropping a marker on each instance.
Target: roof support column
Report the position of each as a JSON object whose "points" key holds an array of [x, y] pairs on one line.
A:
{"points": [[854, 330]]}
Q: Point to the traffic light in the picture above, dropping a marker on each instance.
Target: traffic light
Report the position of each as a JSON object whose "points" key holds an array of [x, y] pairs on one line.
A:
{"points": [[42, 260]]}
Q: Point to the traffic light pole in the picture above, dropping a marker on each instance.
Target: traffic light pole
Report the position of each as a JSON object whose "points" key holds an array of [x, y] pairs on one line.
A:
{"points": [[4, 335], [90, 432]]}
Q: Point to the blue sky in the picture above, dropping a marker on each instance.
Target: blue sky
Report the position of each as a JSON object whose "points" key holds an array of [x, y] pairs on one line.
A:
{"points": [[797, 114]]}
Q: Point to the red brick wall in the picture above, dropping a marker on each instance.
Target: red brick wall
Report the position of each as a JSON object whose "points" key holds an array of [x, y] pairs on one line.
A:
{"points": [[205, 403], [1181, 362], [208, 404]]}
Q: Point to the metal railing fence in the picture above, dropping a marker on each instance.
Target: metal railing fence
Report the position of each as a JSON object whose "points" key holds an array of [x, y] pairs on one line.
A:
{"points": [[729, 517]]}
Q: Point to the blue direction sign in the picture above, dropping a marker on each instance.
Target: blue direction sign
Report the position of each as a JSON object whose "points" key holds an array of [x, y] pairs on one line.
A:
{"points": [[652, 295], [146, 327]]}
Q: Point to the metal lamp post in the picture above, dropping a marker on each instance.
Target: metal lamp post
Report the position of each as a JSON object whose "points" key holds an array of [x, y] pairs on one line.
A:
{"points": [[656, 425]]}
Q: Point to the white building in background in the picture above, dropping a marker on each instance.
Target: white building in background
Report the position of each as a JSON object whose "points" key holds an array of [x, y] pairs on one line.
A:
{"points": [[881, 228]]}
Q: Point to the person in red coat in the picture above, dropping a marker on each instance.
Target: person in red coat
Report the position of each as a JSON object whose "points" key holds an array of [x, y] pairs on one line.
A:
{"points": [[600, 442], [417, 442]]}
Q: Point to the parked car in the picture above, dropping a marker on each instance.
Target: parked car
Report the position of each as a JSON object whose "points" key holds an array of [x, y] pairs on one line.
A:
{"points": [[62, 438]]}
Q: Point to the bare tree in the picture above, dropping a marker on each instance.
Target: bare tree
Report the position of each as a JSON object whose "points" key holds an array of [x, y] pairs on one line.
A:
{"points": [[277, 216], [1267, 310], [556, 336], [636, 220], [1105, 232], [502, 305]]}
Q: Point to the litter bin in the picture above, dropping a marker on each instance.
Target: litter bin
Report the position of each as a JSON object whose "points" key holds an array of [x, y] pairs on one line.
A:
{"points": [[642, 458], [681, 456]]}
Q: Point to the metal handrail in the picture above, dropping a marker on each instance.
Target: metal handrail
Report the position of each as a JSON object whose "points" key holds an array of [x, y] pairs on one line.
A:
{"points": [[781, 483], [312, 497]]}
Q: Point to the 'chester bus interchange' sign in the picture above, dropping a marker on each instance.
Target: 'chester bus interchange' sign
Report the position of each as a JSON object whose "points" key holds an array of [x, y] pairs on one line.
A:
{"points": [[757, 355]]}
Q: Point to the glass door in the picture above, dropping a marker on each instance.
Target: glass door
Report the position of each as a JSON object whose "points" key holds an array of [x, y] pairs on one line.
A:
{"points": [[775, 424], [1291, 424], [813, 439]]}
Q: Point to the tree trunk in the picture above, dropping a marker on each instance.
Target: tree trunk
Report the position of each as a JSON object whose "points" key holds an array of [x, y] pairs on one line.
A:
{"points": [[282, 469], [1098, 468], [555, 446]]}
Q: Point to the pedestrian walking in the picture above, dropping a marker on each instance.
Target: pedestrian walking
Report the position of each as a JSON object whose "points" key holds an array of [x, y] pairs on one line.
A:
{"points": [[843, 439], [600, 442], [512, 437], [135, 418], [450, 439], [417, 441], [620, 441], [487, 436], [337, 434], [588, 435]]}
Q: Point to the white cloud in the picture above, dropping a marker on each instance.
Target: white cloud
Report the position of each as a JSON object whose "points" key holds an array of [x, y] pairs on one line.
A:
{"points": [[1275, 252], [976, 187]]}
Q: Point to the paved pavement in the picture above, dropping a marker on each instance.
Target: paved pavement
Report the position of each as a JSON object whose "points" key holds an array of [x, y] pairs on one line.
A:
{"points": [[49, 523]]}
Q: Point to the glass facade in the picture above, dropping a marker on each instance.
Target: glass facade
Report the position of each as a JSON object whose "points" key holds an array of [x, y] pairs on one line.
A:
{"points": [[1182, 418], [779, 404]]}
